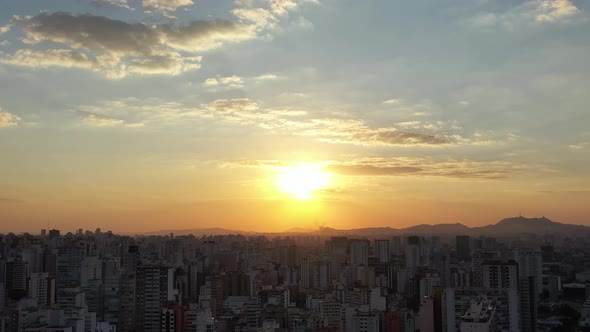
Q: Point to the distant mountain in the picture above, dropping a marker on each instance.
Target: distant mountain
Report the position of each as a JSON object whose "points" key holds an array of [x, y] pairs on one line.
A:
{"points": [[505, 228], [197, 232], [299, 230], [537, 226], [441, 229]]}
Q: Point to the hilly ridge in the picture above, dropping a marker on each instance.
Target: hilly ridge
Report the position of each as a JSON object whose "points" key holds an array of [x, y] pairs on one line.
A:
{"points": [[513, 226]]}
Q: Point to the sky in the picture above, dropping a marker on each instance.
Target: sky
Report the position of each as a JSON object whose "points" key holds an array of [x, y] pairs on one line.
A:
{"points": [[143, 115]]}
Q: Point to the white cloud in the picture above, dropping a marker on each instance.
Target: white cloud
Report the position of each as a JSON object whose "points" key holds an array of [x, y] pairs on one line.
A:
{"points": [[135, 125], [396, 101], [578, 146], [8, 119], [116, 3], [268, 77], [99, 121], [166, 5], [531, 12], [554, 10], [229, 82]]}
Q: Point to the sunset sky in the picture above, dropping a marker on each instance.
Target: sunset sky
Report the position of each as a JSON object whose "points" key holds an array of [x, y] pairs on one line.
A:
{"points": [[141, 115]]}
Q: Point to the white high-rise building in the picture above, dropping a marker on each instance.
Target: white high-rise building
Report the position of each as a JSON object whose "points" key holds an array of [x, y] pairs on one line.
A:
{"points": [[42, 289]]}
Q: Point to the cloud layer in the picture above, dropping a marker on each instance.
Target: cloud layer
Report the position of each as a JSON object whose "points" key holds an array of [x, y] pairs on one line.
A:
{"points": [[422, 167], [118, 48]]}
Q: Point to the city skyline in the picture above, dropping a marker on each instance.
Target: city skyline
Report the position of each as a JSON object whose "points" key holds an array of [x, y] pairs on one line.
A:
{"points": [[143, 115]]}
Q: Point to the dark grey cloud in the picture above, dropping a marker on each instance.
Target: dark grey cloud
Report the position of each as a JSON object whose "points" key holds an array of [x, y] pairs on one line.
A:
{"points": [[116, 47]]}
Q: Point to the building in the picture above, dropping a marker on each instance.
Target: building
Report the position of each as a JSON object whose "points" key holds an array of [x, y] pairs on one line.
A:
{"points": [[173, 318], [463, 243], [359, 252], [530, 269], [42, 289], [383, 251], [153, 289], [481, 316], [365, 322]]}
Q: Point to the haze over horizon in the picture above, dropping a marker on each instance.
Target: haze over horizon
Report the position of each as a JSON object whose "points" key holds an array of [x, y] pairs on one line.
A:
{"points": [[143, 115]]}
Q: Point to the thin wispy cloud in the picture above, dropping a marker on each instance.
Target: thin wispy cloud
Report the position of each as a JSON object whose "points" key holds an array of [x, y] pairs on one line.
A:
{"points": [[407, 167], [529, 13]]}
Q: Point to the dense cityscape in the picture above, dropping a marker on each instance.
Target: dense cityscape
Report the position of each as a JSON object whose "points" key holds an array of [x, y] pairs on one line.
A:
{"points": [[96, 281]]}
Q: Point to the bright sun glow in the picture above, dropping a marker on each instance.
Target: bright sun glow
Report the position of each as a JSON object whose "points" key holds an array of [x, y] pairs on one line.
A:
{"points": [[301, 181]]}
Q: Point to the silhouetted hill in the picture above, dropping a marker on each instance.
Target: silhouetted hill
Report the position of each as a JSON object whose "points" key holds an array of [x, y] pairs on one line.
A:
{"points": [[537, 226], [509, 227]]}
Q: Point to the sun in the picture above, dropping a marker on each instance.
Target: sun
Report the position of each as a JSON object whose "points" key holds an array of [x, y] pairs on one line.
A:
{"points": [[300, 182]]}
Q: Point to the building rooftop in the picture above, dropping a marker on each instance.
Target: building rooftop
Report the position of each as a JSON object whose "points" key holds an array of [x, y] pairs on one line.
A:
{"points": [[481, 310]]}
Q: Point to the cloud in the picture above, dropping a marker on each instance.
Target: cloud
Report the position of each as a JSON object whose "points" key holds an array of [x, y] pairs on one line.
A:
{"points": [[238, 105], [105, 121], [331, 130], [130, 47], [355, 131], [116, 3], [260, 17], [44, 59], [578, 146], [135, 125], [554, 10], [172, 65], [396, 101], [282, 7], [299, 122], [268, 77], [100, 121], [140, 47], [531, 12], [140, 111], [414, 167], [166, 5], [8, 119], [426, 167], [230, 82]]}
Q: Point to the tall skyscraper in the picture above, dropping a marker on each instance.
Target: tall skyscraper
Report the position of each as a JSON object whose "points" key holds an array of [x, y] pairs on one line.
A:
{"points": [[69, 266], [383, 251], [531, 285], [153, 289], [16, 278], [463, 244], [500, 279]]}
